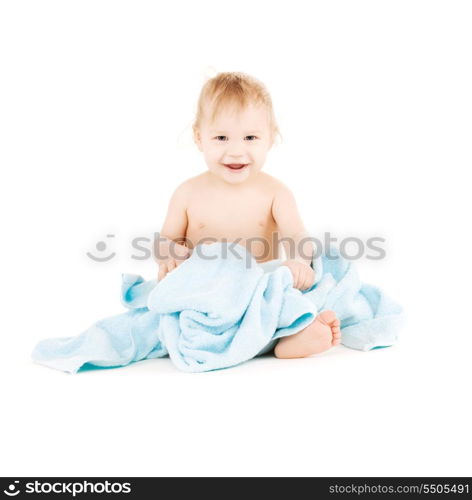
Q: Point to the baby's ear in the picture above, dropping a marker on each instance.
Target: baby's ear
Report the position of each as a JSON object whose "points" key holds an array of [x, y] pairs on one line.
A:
{"points": [[197, 138]]}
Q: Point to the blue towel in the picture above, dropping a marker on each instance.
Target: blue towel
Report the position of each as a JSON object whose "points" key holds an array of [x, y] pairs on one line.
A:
{"points": [[218, 309]]}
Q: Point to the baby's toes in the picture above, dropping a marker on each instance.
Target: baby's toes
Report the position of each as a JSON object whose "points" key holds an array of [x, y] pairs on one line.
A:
{"points": [[336, 331]]}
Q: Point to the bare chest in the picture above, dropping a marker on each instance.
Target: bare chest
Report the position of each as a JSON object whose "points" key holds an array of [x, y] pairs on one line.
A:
{"points": [[229, 219]]}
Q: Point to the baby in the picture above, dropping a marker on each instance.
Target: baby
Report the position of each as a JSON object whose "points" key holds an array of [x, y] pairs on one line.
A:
{"points": [[235, 201]]}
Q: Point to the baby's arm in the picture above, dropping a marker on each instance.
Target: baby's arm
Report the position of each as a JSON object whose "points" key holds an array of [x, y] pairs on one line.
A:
{"points": [[171, 250], [295, 238]]}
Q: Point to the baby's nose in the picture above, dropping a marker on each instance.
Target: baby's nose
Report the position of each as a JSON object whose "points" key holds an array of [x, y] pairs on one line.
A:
{"points": [[235, 153]]}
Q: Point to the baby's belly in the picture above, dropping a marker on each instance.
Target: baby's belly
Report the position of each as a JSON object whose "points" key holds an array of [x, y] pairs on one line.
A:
{"points": [[263, 245]]}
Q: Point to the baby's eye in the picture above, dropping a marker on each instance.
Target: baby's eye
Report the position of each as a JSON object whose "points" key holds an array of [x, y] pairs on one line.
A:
{"points": [[223, 137]]}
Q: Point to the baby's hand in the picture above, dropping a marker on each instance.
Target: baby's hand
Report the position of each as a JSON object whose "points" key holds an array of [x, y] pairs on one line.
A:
{"points": [[179, 254], [303, 274]]}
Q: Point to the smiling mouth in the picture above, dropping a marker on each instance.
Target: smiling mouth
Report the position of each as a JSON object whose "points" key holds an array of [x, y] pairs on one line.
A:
{"points": [[236, 166]]}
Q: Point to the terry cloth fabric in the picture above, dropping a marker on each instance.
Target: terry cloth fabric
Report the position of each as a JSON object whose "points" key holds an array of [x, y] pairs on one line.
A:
{"points": [[218, 309]]}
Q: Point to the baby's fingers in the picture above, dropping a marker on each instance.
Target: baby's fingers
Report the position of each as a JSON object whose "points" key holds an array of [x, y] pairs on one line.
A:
{"points": [[309, 281], [306, 284], [171, 265], [162, 271], [297, 279]]}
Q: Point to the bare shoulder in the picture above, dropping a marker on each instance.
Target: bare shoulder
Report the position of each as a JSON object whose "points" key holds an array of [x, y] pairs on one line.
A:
{"points": [[186, 187], [197, 181], [278, 189], [268, 183]]}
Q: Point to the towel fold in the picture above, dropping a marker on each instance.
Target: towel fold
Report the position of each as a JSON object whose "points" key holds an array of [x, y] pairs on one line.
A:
{"points": [[218, 309]]}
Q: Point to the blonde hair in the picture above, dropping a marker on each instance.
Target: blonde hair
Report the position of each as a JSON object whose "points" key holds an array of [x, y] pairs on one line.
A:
{"points": [[233, 89]]}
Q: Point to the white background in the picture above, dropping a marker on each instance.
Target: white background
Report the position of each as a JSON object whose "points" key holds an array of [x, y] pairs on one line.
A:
{"points": [[373, 99]]}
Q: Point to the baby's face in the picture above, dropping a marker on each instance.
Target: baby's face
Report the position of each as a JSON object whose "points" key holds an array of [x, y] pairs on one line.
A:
{"points": [[235, 138]]}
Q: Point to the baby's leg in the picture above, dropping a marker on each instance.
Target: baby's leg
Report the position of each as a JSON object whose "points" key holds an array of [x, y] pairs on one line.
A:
{"points": [[323, 333]]}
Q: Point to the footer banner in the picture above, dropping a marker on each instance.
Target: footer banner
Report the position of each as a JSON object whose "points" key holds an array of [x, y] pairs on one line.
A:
{"points": [[238, 487]]}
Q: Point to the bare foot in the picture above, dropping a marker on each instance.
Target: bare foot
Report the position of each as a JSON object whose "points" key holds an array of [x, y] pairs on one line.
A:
{"points": [[324, 332]]}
